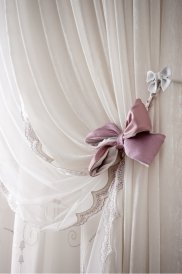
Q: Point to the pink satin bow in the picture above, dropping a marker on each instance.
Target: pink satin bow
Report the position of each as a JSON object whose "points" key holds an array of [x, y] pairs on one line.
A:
{"points": [[135, 140]]}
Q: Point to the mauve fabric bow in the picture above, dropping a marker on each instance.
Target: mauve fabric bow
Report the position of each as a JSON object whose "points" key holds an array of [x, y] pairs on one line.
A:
{"points": [[135, 140], [158, 80]]}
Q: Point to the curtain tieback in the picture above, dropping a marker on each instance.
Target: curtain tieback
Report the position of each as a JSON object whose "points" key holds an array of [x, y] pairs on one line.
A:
{"points": [[135, 141]]}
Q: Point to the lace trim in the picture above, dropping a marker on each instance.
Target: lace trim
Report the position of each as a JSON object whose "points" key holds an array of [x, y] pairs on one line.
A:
{"points": [[34, 141], [8, 196], [36, 146], [110, 213], [100, 196], [71, 172], [3, 189]]}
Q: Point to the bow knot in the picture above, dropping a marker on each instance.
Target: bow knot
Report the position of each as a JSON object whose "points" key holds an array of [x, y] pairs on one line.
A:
{"points": [[135, 140], [159, 80], [120, 141]]}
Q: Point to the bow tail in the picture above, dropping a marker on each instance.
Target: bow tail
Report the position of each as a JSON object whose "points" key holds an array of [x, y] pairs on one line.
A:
{"points": [[104, 158], [143, 147]]}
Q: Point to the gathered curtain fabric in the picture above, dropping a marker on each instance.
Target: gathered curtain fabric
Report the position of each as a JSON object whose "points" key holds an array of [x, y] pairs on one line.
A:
{"points": [[67, 68]]}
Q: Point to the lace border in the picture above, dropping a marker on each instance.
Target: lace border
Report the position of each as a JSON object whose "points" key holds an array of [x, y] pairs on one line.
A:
{"points": [[100, 196]]}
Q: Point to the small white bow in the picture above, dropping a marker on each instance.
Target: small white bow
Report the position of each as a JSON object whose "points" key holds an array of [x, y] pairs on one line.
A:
{"points": [[159, 80]]}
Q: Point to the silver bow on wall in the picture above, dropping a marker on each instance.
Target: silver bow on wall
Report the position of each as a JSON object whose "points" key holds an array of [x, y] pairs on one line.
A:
{"points": [[159, 80]]}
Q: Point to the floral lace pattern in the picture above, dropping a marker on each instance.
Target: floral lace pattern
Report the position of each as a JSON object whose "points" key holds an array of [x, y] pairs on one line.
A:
{"points": [[99, 197], [34, 140], [36, 146], [73, 238], [110, 213]]}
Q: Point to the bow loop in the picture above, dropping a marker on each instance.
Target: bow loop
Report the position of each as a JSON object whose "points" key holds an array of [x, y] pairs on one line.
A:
{"points": [[110, 130], [138, 120], [159, 80]]}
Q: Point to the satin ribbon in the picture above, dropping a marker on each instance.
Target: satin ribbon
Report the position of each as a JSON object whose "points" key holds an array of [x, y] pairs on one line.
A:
{"points": [[135, 140], [158, 80]]}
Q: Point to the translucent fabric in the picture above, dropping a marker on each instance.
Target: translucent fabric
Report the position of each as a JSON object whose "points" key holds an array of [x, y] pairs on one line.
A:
{"points": [[68, 67]]}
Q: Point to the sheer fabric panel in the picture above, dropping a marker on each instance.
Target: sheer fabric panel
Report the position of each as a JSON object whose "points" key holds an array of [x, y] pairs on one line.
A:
{"points": [[68, 67]]}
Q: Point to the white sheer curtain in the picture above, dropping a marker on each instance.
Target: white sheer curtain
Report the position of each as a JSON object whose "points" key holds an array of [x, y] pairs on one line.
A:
{"points": [[68, 67]]}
